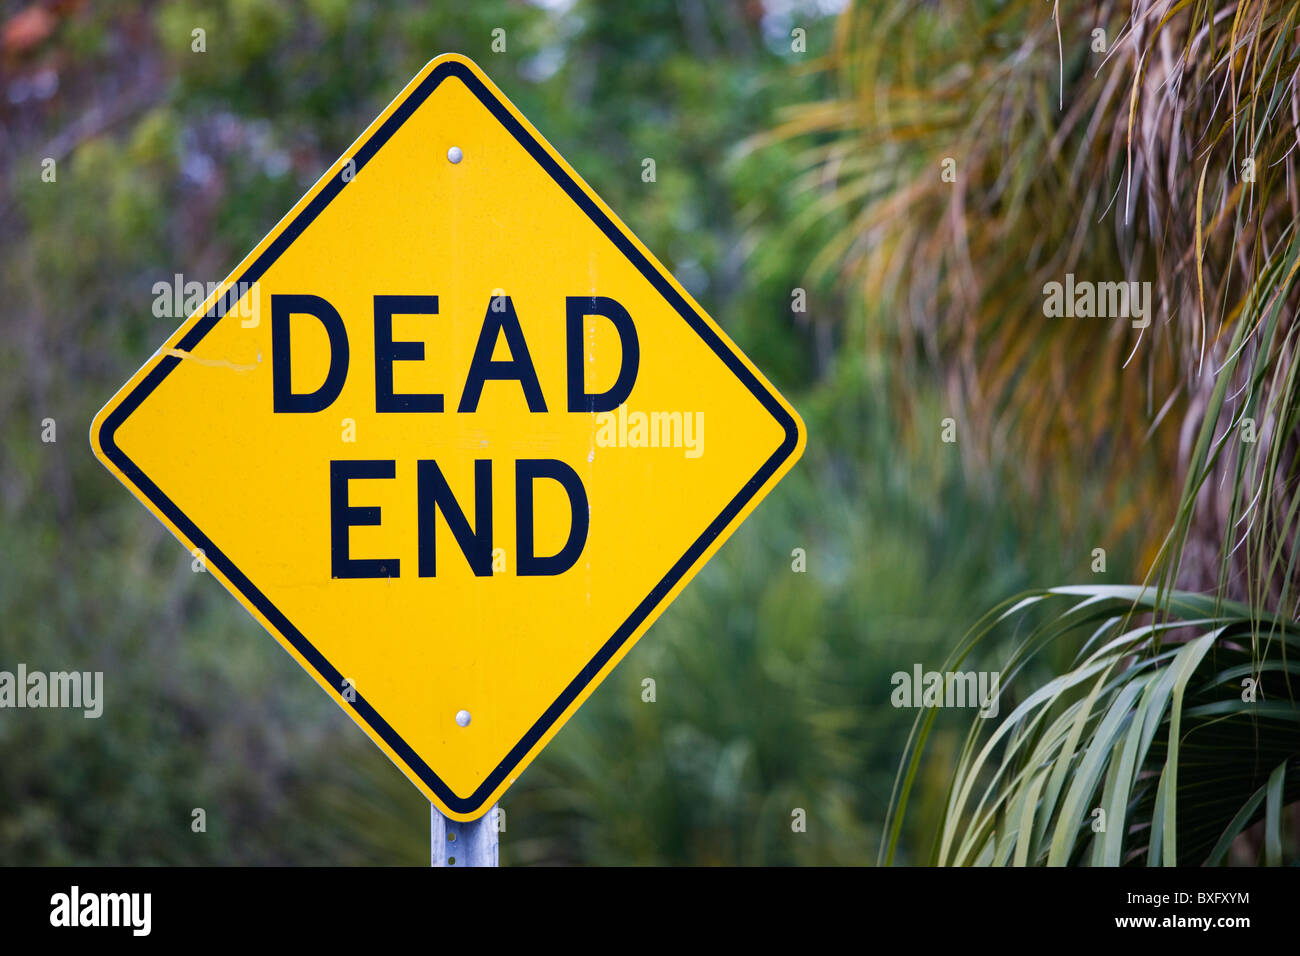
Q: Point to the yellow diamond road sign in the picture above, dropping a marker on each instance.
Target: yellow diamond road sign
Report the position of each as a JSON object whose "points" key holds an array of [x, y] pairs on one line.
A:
{"points": [[452, 435]]}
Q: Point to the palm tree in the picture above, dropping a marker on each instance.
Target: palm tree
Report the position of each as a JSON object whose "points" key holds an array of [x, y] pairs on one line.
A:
{"points": [[984, 151]]}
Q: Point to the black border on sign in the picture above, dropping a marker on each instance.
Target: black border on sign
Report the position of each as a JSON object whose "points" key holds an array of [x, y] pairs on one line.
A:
{"points": [[323, 668]]}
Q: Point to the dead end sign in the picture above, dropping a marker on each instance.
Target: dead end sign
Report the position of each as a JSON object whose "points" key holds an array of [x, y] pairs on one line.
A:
{"points": [[452, 435]]}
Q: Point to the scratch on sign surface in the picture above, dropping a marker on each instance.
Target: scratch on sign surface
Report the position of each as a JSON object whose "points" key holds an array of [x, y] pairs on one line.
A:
{"points": [[215, 363]]}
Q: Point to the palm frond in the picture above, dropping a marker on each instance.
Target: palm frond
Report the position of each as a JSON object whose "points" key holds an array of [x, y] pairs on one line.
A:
{"points": [[1175, 730]]}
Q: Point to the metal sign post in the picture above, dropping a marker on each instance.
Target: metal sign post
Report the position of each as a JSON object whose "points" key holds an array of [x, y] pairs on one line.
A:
{"points": [[456, 843]]}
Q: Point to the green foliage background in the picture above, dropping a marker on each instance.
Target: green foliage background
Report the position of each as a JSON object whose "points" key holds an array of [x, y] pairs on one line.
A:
{"points": [[773, 687]]}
